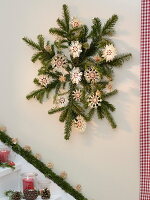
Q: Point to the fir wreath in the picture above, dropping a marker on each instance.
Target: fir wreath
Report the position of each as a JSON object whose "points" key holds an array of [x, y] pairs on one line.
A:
{"points": [[82, 80]]}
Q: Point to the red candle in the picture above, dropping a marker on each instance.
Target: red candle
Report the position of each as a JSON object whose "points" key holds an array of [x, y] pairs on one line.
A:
{"points": [[4, 154], [28, 183]]}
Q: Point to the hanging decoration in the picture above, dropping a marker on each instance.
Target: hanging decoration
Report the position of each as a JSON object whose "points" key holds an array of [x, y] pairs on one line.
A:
{"points": [[80, 62]]}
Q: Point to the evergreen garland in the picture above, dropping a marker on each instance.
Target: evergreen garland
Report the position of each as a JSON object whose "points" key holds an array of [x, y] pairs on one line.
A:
{"points": [[80, 81], [49, 173]]}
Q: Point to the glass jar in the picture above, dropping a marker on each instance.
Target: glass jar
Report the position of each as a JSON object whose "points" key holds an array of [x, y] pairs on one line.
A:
{"points": [[4, 154], [44, 188], [29, 181]]}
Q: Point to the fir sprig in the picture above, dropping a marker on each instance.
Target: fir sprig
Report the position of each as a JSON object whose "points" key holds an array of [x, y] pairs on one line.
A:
{"points": [[108, 28]]}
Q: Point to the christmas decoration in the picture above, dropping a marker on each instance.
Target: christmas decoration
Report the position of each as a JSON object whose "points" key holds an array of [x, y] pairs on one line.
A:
{"points": [[75, 75], [63, 175], [97, 58], [109, 52], [14, 140], [75, 22], [62, 101], [50, 165], [109, 86], [62, 79], [30, 194], [3, 128], [8, 164], [48, 48], [45, 194], [14, 195], [80, 123], [27, 148], [94, 100], [75, 49], [92, 75], [81, 59], [77, 94], [44, 80], [43, 168], [38, 156], [78, 187], [59, 61]]}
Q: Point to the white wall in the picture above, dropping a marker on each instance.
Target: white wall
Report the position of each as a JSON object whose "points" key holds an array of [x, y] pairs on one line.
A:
{"points": [[104, 161]]}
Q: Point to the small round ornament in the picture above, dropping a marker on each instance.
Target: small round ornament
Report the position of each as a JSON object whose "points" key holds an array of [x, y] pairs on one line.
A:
{"points": [[109, 86], [27, 148], [78, 187], [11, 163], [38, 156], [48, 48], [62, 79], [75, 23], [50, 165], [14, 140], [97, 58], [63, 175], [98, 92], [3, 128]]}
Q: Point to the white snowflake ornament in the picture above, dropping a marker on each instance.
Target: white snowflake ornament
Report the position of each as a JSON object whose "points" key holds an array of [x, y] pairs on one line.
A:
{"points": [[109, 52], [94, 101], [76, 75], [44, 80], [75, 23], [75, 49], [62, 101], [92, 75], [77, 94], [79, 123]]}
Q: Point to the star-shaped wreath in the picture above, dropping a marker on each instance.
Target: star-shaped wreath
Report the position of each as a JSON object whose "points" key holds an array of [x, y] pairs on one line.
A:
{"points": [[78, 66]]}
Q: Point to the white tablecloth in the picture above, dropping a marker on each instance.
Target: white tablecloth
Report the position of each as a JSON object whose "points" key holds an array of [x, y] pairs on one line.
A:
{"points": [[54, 197]]}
